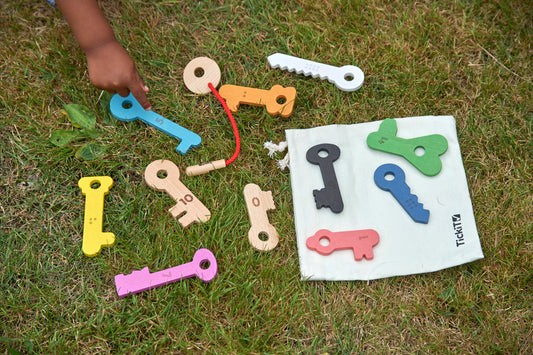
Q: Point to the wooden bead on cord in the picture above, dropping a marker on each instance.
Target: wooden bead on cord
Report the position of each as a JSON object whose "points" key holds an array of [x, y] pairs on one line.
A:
{"points": [[199, 83]]}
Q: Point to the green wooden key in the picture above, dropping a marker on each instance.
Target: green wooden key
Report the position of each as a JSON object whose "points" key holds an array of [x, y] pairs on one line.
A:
{"points": [[423, 152]]}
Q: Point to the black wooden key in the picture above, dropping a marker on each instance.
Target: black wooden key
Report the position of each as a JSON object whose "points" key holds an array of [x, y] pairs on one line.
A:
{"points": [[324, 155]]}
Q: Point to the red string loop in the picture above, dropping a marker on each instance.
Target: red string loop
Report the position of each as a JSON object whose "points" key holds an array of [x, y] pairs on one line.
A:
{"points": [[233, 125]]}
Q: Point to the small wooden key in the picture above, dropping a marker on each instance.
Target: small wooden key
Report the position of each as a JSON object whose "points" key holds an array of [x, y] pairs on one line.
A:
{"points": [[95, 188], [186, 202], [258, 203], [278, 100]]}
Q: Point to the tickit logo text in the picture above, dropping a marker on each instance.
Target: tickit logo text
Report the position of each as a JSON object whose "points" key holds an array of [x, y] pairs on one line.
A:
{"points": [[458, 230]]}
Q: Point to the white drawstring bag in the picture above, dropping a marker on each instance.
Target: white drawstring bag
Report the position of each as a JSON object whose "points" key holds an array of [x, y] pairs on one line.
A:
{"points": [[405, 247]]}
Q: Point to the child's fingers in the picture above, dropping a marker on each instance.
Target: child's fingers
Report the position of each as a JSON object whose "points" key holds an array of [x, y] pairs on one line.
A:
{"points": [[140, 95], [139, 90], [124, 92]]}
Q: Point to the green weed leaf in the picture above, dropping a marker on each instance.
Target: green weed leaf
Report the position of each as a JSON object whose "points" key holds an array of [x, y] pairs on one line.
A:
{"points": [[80, 116], [90, 151], [91, 133], [62, 137]]}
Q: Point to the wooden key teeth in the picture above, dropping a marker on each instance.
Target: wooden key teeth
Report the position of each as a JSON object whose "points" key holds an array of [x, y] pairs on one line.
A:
{"points": [[258, 203], [360, 241], [186, 201], [94, 188], [278, 100]]}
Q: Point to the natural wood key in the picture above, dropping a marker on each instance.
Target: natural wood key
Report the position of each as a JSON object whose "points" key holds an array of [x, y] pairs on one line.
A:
{"points": [[278, 100], [186, 202], [95, 188], [258, 203]]}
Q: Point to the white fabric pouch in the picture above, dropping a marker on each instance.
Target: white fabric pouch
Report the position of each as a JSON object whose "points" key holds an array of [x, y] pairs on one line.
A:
{"points": [[405, 247]]}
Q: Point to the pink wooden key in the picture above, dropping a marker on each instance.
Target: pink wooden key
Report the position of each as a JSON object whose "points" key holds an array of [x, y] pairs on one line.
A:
{"points": [[142, 280], [360, 241]]}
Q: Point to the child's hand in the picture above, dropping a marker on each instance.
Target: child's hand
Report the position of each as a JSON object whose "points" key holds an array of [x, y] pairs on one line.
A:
{"points": [[112, 69]]}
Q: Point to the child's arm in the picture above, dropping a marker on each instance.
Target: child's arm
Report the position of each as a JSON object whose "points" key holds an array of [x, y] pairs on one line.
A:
{"points": [[110, 66]]}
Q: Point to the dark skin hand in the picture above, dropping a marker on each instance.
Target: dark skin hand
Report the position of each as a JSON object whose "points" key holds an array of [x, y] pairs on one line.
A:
{"points": [[110, 66]]}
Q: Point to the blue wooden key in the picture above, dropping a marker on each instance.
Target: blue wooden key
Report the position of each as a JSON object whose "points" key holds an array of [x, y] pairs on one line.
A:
{"points": [[128, 109], [390, 177]]}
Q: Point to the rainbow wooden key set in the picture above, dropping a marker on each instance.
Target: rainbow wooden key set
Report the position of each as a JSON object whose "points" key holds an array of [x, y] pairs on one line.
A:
{"points": [[201, 76]]}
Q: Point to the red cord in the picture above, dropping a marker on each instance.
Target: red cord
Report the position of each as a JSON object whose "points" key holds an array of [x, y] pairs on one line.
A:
{"points": [[233, 125]]}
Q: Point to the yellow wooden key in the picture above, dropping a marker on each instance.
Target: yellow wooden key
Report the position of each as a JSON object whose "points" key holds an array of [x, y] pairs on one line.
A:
{"points": [[94, 188]]}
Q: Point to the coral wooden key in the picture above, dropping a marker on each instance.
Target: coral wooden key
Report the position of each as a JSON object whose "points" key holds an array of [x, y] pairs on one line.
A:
{"points": [[423, 152], [186, 202], [258, 203], [95, 188], [361, 242], [128, 109], [278, 100], [142, 280]]}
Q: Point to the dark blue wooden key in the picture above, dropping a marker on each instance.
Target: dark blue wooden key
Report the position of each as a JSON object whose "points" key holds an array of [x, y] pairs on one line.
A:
{"points": [[390, 177]]}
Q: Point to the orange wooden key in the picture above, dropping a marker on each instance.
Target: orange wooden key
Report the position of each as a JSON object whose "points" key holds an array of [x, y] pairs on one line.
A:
{"points": [[278, 100]]}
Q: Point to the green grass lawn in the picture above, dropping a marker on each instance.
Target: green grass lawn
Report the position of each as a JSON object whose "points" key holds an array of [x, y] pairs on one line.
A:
{"points": [[469, 59]]}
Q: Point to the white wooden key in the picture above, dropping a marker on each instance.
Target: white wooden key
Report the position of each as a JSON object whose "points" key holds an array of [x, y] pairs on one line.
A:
{"points": [[258, 203], [186, 202], [346, 78]]}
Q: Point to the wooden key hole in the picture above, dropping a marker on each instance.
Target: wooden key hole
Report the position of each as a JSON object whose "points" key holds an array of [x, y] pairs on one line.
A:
{"points": [[162, 174], [324, 241], [263, 236], [349, 77], [420, 151], [199, 72], [204, 265]]}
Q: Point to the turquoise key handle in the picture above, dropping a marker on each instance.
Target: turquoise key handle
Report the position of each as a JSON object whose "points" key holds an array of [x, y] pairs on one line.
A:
{"points": [[423, 152], [129, 109]]}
